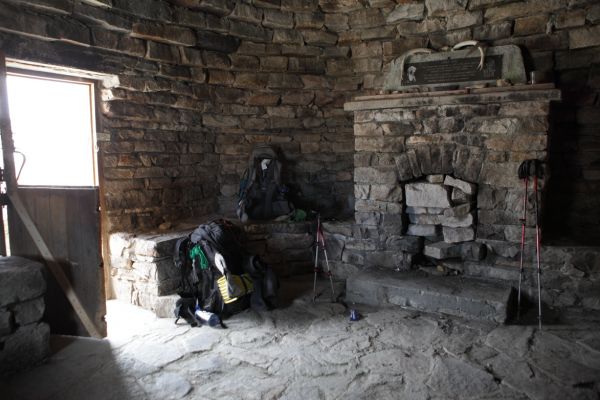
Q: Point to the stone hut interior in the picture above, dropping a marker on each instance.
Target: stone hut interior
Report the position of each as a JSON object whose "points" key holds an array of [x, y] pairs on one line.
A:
{"points": [[283, 199]]}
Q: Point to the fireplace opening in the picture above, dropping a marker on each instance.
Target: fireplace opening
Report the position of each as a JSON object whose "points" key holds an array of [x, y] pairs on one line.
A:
{"points": [[442, 210]]}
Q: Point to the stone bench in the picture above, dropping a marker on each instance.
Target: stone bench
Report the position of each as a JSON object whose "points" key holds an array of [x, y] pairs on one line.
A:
{"points": [[570, 274], [142, 271], [24, 339]]}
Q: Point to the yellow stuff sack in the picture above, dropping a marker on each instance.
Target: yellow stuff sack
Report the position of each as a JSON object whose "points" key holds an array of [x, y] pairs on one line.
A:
{"points": [[234, 287]]}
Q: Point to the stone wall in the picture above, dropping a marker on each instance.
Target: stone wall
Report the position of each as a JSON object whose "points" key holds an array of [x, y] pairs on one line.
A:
{"points": [[200, 81], [193, 86], [24, 339], [560, 39], [142, 270]]}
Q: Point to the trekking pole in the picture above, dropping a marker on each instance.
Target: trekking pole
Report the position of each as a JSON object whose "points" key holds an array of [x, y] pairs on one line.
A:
{"points": [[316, 260], [329, 274], [523, 222], [526, 169], [537, 246], [320, 243]]}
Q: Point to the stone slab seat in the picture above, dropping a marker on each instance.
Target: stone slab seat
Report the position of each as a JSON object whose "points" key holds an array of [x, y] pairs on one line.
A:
{"points": [[143, 273], [454, 295]]}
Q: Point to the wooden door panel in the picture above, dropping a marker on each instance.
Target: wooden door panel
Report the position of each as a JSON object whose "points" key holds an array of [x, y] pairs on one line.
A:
{"points": [[68, 220]]}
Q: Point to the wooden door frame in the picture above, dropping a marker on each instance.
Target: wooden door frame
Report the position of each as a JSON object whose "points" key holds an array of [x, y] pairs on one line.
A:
{"points": [[93, 77], [16, 202]]}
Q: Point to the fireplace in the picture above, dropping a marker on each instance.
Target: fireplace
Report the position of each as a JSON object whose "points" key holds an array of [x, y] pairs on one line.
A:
{"points": [[441, 209], [436, 173]]}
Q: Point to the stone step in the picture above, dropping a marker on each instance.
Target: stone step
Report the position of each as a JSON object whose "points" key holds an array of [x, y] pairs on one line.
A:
{"points": [[454, 295], [503, 273]]}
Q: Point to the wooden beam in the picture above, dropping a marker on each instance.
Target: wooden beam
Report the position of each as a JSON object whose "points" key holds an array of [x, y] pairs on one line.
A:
{"points": [[8, 148], [465, 90], [8, 145], [410, 94], [515, 88]]}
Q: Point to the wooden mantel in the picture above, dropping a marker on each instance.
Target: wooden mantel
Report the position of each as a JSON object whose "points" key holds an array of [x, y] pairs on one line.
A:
{"points": [[460, 96]]}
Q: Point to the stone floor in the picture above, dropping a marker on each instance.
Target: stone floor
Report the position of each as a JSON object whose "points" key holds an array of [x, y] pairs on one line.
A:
{"points": [[308, 350]]}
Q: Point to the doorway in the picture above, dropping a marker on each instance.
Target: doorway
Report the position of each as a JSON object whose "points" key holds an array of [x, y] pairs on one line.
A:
{"points": [[53, 129], [53, 124]]}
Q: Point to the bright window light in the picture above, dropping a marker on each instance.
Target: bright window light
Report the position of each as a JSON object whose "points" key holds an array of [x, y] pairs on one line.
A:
{"points": [[53, 126]]}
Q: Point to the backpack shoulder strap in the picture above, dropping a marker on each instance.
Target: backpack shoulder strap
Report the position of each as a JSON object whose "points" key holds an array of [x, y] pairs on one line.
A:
{"points": [[244, 184], [180, 258], [180, 250], [277, 172]]}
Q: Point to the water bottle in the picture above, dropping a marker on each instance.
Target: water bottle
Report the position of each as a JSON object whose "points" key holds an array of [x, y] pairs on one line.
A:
{"points": [[207, 317]]}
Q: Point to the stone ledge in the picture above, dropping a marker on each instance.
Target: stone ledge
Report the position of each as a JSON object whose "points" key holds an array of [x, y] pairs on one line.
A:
{"points": [[541, 92], [143, 274], [457, 296]]}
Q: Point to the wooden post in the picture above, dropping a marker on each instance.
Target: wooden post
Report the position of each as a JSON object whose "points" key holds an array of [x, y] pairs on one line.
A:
{"points": [[8, 145], [8, 148]]}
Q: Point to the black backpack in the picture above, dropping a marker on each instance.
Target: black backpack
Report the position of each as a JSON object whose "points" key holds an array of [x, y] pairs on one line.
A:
{"points": [[218, 276], [262, 196]]}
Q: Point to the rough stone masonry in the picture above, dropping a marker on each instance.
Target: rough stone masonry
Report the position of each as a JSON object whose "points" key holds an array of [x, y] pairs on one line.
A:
{"points": [[142, 270], [445, 203], [476, 140], [191, 85], [195, 83], [24, 339]]}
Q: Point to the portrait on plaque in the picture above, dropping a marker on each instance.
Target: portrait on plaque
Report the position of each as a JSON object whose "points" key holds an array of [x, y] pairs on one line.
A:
{"points": [[411, 74]]}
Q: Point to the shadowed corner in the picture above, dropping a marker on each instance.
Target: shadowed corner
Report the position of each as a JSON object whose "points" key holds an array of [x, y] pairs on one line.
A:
{"points": [[77, 368]]}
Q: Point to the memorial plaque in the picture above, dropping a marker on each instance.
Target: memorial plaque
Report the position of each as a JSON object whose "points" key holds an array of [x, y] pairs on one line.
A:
{"points": [[458, 67], [452, 70]]}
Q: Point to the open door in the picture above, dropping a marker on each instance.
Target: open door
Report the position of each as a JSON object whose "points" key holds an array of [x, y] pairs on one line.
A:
{"points": [[68, 219], [53, 128]]}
